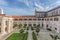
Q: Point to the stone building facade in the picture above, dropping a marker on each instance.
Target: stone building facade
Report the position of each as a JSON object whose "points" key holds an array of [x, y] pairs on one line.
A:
{"points": [[44, 19]]}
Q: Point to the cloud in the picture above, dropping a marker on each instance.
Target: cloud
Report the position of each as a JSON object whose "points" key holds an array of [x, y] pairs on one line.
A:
{"points": [[39, 7], [17, 11], [2, 2], [24, 1], [23, 4], [53, 5]]}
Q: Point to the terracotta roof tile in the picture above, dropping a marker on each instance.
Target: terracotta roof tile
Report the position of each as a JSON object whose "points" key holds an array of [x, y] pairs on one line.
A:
{"points": [[23, 17]]}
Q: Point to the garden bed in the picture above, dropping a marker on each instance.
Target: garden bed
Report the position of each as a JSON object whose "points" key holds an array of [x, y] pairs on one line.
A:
{"points": [[18, 36], [34, 36]]}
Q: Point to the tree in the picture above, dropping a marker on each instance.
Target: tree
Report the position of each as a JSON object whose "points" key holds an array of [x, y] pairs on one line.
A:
{"points": [[21, 31], [15, 25], [20, 25], [32, 28], [25, 26], [37, 29], [38, 25], [55, 37]]}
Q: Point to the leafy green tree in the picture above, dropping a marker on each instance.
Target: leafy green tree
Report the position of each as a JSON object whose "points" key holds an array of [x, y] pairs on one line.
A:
{"points": [[37, 29], [15, 25], [24, 26], [54, 37], [20, 25], [22, 30]]}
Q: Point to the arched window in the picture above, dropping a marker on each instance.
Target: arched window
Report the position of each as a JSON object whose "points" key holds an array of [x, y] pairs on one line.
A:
{"points": [[55, 19], [0, 30], [47, 25], [55, 28], [42, 24], [34, 24]]}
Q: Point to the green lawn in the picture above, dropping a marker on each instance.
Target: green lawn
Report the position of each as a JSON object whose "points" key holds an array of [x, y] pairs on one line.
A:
{"points": [[15, 36], [18, 36]]}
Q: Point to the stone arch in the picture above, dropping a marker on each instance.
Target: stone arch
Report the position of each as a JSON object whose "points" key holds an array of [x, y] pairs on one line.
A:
{"points": [[42, 25], [34, 24], [47, 26], [0, 30], [6, 29], [25, 24], [29, 24]]}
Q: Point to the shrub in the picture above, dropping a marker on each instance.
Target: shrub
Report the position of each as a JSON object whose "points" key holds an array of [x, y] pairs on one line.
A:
{"points": [[32, 28], [34, 36], [21, 31], [27, 28], [49, 29], [26, 36], [37, 30]]}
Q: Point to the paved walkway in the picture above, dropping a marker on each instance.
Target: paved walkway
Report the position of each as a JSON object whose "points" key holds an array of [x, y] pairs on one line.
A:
{"points": [[30, 34]]}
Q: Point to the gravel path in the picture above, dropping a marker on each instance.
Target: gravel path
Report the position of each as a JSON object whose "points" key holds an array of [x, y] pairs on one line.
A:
{"points": [[30, 34]]}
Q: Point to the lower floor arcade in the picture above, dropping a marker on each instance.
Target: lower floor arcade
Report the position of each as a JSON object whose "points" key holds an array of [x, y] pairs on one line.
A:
{"points": [[54, 25]]}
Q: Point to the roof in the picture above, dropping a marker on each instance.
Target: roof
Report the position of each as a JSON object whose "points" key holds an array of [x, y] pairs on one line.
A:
{"points": [[23, 17], [2, 14]]}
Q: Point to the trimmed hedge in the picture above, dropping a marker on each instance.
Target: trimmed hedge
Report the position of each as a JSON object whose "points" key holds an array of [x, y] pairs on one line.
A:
{"points": [[27, 28], [18, 36], [32, 28], [15, 36], [34, 36], [26, 36], [49, 29]]}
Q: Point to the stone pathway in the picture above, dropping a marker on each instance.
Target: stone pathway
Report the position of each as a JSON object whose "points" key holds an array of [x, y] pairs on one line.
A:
{"points": [[44, 36], [30, 34]]}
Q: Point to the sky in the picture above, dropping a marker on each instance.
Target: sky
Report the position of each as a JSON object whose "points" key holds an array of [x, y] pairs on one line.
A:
{"points": [[27, 7]]}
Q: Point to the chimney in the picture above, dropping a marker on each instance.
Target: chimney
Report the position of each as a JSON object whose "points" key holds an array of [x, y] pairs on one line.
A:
{"points": [[1, 11]]}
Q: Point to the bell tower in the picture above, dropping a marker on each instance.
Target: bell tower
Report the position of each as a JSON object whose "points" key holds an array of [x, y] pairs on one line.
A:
{"points": [[1, 11]]}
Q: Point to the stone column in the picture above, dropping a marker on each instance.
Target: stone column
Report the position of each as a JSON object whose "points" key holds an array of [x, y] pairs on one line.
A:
{"points": [[58, 27], [27, 24], [32, 24], [44, 24], [3, 25], [9, 26]]}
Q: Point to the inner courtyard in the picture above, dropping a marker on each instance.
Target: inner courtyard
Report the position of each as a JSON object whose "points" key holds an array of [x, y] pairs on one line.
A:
{"points": [[43, 22]]}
